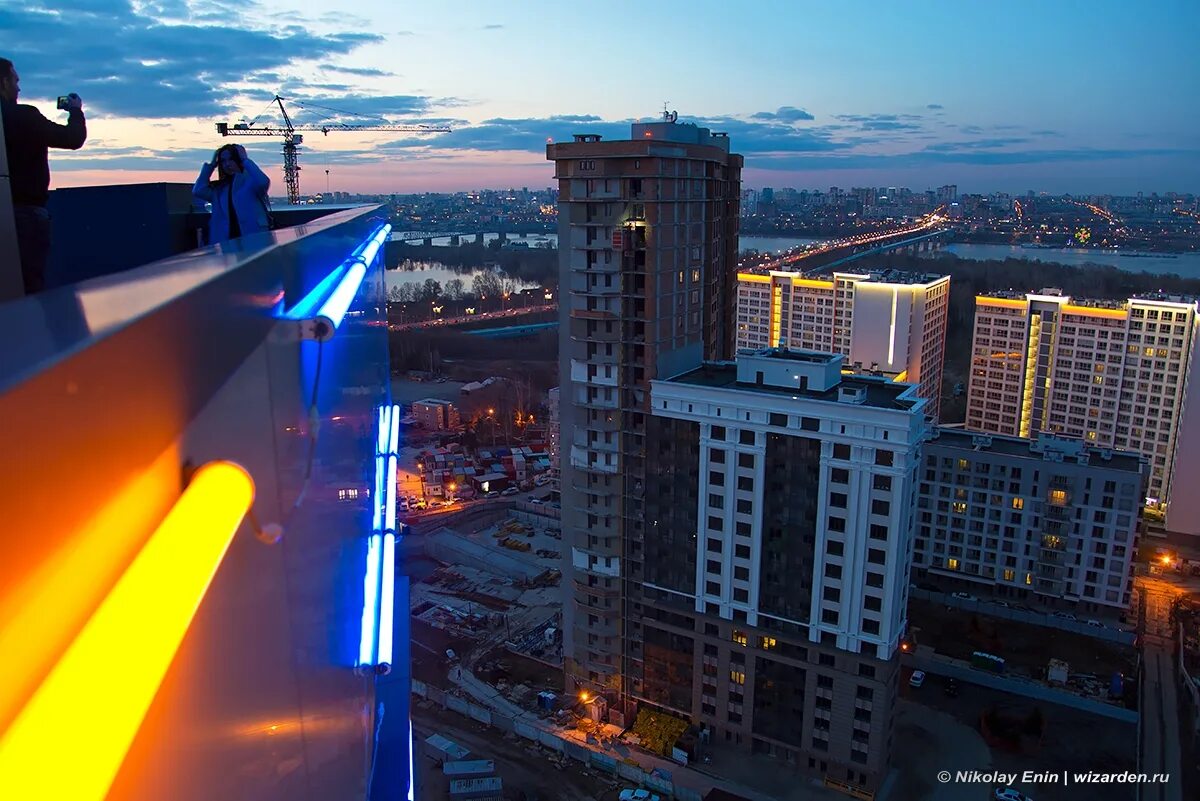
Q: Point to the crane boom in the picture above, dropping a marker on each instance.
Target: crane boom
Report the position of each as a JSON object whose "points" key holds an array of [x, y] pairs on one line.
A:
{"points": [[292, 140]]}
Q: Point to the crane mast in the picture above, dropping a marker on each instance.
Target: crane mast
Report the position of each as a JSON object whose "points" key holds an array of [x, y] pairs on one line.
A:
{"points": [[293, 140]]}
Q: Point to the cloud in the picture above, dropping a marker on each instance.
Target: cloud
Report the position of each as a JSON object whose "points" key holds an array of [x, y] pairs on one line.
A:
{"points": [[975, 144], [883, 122], [935, 106], [362, 72], [126, 61], [492, 27], [930, 157], [784, 114]]}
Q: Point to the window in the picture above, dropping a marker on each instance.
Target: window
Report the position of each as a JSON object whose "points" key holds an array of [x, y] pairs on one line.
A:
{"points": [[884, 458], [746, 437], [739, 637], [837, 524], [837, 499], [833, 571], [878, 532], [766, 643], [741, 551], [825, 682], [779, 420], [839, 475], [876, 556], [716, 456], [833, 547], [745, 507], [832, 594], [714, 545], [879, 507], [841, 451], [746, 460], [737, 677], [952, 564], [718, 432], [866, 671], [715, 523]]}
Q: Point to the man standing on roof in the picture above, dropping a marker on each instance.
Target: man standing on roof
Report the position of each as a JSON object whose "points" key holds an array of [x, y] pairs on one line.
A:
{"points": [[27, 138]]}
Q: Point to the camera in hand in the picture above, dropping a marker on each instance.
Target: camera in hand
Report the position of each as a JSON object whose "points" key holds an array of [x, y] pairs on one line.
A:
{"points": [[64, 102]]}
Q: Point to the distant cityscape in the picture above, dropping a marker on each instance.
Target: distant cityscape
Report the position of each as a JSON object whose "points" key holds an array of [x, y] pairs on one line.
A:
{"points": [[1151, 222]]}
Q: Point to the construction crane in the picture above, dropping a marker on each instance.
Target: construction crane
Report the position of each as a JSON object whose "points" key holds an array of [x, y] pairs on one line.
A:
{"points": [[293, 140]]}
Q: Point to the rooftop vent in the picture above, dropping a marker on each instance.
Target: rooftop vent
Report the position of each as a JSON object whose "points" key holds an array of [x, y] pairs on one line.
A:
{"points": [[587, 137], [852, 394]]}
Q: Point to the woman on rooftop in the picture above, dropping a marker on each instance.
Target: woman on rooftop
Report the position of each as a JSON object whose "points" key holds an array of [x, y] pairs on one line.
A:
{"points": [[238, 196]]}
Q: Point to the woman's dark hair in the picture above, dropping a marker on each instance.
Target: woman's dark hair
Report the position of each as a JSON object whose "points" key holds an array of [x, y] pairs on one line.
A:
{"points": [[222, 178], [6, 69]]}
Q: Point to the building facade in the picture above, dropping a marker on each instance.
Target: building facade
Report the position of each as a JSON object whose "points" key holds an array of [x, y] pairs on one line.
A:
{"points": [[552, 433], [1111, 373], [1049, 521], [647, 237], [433, 414], [887, 321], [776, 561]]}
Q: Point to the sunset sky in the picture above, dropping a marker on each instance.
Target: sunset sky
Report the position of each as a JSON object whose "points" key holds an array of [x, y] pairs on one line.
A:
{"points": [[1085, 97]]}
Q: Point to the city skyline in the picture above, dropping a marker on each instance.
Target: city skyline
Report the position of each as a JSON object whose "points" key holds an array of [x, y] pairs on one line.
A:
{"points": [[988, 101]]}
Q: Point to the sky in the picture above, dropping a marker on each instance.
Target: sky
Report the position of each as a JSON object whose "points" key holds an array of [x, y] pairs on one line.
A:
{"points": [[1063, 96]]}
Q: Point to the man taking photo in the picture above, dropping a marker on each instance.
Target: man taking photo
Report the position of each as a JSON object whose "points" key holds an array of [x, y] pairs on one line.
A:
{"points": [[27, 137]]}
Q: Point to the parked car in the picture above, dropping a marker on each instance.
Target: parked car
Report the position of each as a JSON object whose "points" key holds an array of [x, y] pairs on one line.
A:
{"points": [[536, 501], [492, 494], [638, 795], [1066, 616], [1009, 794], [964, 596], [1096, 624], [950, 688], [510, 491], [916, 679]]}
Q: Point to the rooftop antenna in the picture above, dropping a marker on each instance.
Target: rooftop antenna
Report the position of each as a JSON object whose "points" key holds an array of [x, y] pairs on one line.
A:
{"points": [[669, 116]]}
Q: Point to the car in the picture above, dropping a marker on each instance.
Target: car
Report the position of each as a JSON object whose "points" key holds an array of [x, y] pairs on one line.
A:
{"points": [[1066, 616], [916, 679], [536, 501], [492, 494], [510, 491], [1096, 624], [964, 596], [1009, 794], [950, 688], [1001, 604], [638, 795]]}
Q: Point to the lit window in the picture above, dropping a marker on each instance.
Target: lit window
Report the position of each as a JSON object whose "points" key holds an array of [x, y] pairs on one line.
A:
{"points": [[952, 564], [960, 507], [739, 637], [767, 643], [347, 494], [1010, 575], [1058, 497], [963, 464], [1028, 578], [1018, 503], [737, 677]]}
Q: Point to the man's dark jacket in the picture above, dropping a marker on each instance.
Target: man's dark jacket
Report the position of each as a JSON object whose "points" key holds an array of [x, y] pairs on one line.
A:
{"points": [[27, 138]]}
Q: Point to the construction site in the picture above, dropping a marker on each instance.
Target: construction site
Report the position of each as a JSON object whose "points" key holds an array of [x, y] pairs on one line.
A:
{"points": [[489, 600]]}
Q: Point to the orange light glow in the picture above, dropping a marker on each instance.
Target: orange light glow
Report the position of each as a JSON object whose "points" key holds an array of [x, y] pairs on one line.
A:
{"points": [[93, 701]]}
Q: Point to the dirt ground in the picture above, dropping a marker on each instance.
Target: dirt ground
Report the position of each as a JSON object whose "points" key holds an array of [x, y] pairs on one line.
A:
{"points": [[526, 773], [1026, 648], [935, 732]]}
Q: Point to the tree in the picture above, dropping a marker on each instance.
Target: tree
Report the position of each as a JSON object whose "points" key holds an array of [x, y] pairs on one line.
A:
{"points": [[454, 289], [395, 295], [430, 290], [487, 284]]}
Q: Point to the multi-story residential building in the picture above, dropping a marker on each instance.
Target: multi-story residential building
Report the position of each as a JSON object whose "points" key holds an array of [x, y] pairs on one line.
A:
{"points": [[1111, 373], [1049, 520], [647, 256], [776, 557], [434, 414], [884, 321], [552, 435]]}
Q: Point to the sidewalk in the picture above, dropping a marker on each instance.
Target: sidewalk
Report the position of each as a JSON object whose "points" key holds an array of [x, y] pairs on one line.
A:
{"points": [[696, 780]]}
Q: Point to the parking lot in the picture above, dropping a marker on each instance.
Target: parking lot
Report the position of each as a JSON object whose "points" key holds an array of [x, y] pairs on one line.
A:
{"points": [[1026, 648], [935, 732]]}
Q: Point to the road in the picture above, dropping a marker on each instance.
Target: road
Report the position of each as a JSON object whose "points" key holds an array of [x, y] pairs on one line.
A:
{"points": [[800, 254], [1158, 747], [505, 315]]}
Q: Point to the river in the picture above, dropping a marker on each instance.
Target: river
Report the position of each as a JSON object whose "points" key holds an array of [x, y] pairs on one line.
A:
{"points": [[1186, 265]]}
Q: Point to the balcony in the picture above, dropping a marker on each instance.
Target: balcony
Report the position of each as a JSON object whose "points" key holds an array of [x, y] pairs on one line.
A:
{"points": [[123, 385]]}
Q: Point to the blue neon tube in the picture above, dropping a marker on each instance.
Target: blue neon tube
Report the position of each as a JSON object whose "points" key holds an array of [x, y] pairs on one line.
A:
{"points": [[380, 493], [385, 428], [366, 642], [334, 309], [387, 600], [389, 514], [307, 307], [394, 440]]}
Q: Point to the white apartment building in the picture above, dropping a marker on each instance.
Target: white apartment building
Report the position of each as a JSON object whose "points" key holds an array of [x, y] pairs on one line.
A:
{"points": [[863, 435], [1048, 521], [886, 321], [1111, 373]]}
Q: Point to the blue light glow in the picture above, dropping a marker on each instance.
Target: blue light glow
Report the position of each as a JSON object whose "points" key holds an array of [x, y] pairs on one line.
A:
{"points": [[307, 307], [387, 600], [385, 426], [366, 642]]}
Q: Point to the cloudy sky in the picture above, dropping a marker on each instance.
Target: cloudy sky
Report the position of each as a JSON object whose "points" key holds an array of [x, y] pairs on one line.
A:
{"points": [[1052, 96]]}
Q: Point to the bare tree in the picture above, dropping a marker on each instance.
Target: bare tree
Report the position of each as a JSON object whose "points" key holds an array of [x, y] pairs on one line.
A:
{"points": [[454, 289]]}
